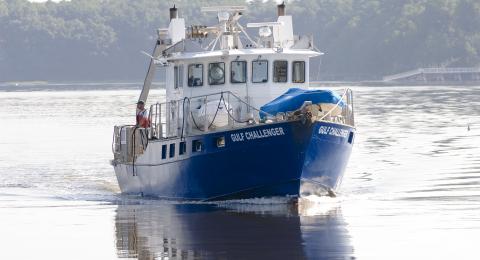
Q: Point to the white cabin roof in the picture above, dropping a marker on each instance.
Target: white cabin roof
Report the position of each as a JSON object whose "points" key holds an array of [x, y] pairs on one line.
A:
{"points": [[242, 52]]}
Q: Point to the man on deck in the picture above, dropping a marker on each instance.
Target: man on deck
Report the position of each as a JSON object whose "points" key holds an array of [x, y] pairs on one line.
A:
{"points": [[142, 115]]}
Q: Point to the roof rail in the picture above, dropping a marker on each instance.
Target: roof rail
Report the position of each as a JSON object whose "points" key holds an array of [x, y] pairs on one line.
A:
{"points": [[223, 9]]}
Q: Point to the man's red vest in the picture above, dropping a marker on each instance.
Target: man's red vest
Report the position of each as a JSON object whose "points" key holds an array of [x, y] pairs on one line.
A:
{"points": [[142, 119]]}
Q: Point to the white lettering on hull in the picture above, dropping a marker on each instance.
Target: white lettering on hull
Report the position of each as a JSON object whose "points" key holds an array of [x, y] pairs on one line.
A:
{"points": [[334, 131], [257, 134]]}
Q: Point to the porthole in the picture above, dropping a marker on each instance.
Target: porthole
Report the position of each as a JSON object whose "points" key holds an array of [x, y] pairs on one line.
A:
{"points": [[220, 141]]}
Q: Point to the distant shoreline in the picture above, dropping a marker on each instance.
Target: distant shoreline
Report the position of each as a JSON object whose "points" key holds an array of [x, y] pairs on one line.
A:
{"points": [[394, 84], [74, 82]]}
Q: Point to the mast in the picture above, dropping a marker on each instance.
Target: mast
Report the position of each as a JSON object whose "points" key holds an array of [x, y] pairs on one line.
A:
{"points": [[166, 37], [157, 50]]}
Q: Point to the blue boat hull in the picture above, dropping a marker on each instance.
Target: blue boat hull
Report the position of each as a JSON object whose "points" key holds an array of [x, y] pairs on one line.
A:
{"points": [[280, 159]]}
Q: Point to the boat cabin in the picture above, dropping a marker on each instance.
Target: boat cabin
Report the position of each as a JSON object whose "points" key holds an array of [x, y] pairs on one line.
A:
{"points": [[257, 75], [200, 60]]}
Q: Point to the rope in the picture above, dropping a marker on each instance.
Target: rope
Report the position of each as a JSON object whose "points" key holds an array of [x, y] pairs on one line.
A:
{"points": [[231, 116], [194, 122], [216, 112], [220, 101], [252, 107], [214, 117], [336, 105]]}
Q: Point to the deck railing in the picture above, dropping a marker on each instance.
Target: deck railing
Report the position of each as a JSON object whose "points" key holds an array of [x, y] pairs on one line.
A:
{"points": [[225, 110], [198, 114], [340, 112]]}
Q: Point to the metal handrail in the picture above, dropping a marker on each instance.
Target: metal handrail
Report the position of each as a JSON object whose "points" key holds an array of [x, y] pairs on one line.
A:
{"points": [[344, 110], [233, 94], [167, 120], [160, 114]]}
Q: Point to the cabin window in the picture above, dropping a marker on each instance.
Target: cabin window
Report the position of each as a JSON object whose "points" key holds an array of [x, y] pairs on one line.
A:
{"points": [[195, 75], [178, 76], [172, 150], [197, 146], [350, 138], [164, 151], [216, 73], [298, 72], [182, 148], [280, 71], [220, 141], [259, 71], [238, 72]]}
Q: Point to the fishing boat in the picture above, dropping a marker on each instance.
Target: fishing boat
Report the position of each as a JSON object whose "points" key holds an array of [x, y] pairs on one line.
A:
{"points": [[239, 120]]}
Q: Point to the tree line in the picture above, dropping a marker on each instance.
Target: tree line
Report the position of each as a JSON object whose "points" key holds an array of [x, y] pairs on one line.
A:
{"points": [[361, 39]]}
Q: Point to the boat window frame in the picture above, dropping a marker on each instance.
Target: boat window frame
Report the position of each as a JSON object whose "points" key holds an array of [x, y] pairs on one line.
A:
{"points": [[260, 82], [178, 76], [171, 150], [304, 71], [182, 148], [245, 77], [208, 73], [274, 71], [188, 79], [197, 145], [164, 151], [220, 141]]}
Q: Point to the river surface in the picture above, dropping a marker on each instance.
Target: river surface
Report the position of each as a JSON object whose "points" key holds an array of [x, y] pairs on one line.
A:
{"points": [[411, 190]]}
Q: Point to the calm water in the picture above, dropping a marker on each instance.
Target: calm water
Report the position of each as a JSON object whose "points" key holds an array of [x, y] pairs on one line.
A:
{"points": [[411, 191]]}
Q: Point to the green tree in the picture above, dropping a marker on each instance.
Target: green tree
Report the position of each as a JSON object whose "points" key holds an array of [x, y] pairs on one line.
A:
{"points": [[362, 39]]}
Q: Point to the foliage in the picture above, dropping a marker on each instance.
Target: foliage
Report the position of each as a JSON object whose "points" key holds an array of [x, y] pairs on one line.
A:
{"points": [[362, 39]]}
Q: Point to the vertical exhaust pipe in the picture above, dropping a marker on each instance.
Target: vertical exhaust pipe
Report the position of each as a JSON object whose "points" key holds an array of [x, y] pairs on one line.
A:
{"points": [[173, 13], [281, 9]]}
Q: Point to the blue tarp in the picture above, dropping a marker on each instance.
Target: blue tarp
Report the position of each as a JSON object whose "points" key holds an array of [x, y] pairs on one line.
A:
{"points": [[293, 99]]}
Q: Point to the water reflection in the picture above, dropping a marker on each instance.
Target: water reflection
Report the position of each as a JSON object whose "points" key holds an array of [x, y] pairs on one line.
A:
{"points": [[231, 231], [411, 189]]}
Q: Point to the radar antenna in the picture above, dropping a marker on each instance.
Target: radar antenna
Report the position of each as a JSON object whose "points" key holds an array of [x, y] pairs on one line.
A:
{"points": [[227, 31]]}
